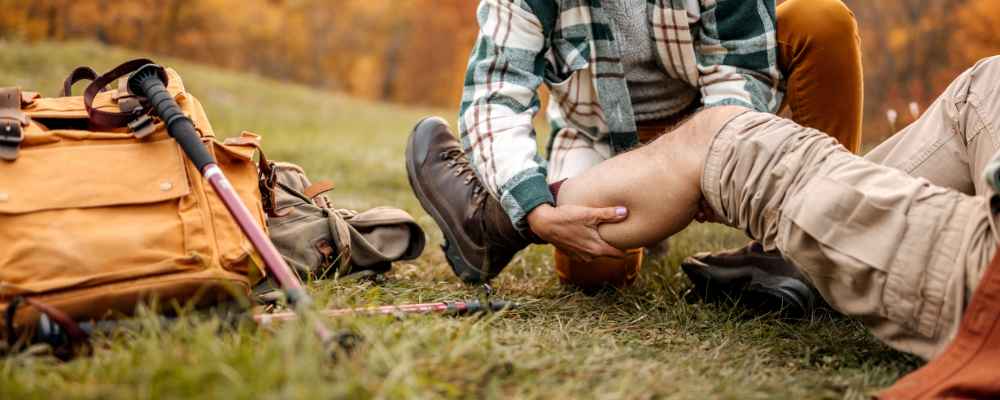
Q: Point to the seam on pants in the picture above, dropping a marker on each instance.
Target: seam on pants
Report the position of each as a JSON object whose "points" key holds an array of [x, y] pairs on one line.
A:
{"points": [[712, 170], [973, 98], [710, 179], [934, 289], [984, 125], [923, 156]]}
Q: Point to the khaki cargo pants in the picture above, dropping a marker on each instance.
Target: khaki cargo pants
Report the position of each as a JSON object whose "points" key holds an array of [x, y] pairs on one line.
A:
{"points": [[898, 239]]}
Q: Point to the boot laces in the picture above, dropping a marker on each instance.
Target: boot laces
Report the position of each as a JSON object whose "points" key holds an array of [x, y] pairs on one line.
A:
{"points": [[460, 164]]}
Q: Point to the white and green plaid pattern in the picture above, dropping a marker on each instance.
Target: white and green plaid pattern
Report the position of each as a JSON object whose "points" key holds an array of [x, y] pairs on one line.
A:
{"points": [[726, 48]]}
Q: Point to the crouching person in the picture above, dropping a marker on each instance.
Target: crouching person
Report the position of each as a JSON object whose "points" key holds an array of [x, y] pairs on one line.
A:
{"points": [[621, 73]]}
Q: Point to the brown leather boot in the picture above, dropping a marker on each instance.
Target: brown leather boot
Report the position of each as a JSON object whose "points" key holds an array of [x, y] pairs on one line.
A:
{"points": [[480, 238], [763, 282]]}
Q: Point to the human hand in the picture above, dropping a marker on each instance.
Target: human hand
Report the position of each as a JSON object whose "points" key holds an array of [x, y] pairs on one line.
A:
{"points": [[573, 229]]}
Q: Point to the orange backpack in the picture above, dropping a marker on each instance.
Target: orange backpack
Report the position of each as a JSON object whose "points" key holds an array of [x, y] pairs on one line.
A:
{"points": [[95, 219]]}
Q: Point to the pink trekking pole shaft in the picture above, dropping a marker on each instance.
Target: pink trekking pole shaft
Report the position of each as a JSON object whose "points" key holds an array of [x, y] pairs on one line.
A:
{"points": [[147, 82]]}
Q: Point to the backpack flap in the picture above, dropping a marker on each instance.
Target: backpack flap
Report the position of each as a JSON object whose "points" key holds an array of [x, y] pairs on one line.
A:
{"points": [[383, 235]]}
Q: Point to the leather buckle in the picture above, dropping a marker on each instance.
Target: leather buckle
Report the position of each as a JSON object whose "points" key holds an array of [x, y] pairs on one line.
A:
{"points": [[11, 137], [142, 126], [11, 133], [267, 182]]}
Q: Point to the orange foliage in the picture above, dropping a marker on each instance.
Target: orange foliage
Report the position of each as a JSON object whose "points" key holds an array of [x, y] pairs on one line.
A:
{"points": [[409, 51], [414, 51], [914, 48]]}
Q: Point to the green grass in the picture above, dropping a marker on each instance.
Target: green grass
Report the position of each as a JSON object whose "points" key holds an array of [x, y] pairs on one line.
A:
{"points": [[642, 342]]}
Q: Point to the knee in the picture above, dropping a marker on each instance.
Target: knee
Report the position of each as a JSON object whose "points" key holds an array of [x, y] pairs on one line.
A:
{"points": [[688, 142], [709, 122], [818, 20], [989, 65], [984, 77]]}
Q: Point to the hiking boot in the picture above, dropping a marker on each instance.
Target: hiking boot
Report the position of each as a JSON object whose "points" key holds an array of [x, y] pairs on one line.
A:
{"points": [[764, 282], [480, 238]]}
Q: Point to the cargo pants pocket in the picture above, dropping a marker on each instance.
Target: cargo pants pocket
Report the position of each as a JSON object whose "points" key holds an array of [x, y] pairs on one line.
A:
{"points": [[846, 242]]}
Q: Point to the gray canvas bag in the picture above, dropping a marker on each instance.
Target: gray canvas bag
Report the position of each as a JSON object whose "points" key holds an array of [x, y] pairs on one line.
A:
{"points": [[319, 241]]}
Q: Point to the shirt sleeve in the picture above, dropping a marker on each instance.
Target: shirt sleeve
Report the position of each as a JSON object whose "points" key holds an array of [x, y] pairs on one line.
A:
{"points": [[737, 54], [500, 100]]}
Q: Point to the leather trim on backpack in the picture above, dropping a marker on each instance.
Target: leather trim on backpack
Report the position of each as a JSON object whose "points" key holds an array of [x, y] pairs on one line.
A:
{"points": [[12, 120], [266, 170], [110, 120], [80, 73], [318, 188]]}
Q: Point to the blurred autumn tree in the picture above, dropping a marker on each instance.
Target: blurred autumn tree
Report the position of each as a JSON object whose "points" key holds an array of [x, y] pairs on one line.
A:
{"points": [[914, 48], [414, 51], [410, 51]]}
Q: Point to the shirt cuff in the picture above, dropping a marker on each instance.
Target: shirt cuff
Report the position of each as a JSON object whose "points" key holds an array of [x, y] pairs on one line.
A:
{"points": [[731, 101], [525, 192]]}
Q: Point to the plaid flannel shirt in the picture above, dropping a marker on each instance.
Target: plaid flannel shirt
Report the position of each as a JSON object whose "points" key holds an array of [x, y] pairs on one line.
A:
{"points": [[726, 48]]}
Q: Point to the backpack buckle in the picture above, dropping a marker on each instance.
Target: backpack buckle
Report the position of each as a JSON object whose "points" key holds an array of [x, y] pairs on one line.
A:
{"points": [[11, 137], [12, 122], [267, 182], [142, 126]]}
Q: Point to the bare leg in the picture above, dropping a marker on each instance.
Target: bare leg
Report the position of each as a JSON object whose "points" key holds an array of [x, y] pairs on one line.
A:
{"points": [[659, 183]]}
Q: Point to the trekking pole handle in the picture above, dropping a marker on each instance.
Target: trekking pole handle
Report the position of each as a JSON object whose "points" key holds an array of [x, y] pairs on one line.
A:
{"points": [[147, 82]]}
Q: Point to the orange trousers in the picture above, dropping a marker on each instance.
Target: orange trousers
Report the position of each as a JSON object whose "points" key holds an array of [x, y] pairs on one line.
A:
{"points": [[819, 53]]}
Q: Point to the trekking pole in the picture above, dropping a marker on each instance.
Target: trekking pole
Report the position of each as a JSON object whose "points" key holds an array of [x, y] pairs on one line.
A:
{"points": [[148, 82], [446, 308]]}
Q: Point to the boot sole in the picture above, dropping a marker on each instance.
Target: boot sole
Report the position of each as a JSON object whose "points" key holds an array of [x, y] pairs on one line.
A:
{"points": [[453, 253]]}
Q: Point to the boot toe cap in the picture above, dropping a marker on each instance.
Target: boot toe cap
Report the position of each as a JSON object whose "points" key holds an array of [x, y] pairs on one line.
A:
{"points": [[425, 134]]}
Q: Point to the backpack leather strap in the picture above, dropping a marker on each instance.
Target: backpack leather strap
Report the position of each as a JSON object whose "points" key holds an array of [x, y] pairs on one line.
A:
{"points": [[77, 341], [127, 102], [141, 126], [111, 120], [318, 188], [12, 122], [79, 74], [267, 178]]}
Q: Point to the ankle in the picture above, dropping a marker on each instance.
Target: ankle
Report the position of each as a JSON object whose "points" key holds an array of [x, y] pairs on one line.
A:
{"points": [[500, 229]]}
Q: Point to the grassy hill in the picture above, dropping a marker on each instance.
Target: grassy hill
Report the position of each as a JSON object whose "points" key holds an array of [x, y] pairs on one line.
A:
{"points": [[642, 342]]}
